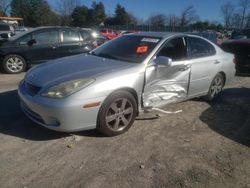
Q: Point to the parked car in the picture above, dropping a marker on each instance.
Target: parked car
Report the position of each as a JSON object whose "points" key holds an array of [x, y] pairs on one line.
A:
{"points": [[6, 31], [240, 34], [96, 36], [108, 87], [100, 39], [241, 49], [109, 33], [19, 30], [42, 44]]}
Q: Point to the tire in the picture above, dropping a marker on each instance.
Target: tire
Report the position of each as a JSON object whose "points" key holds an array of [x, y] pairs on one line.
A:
{"points": [[14, 64], [117, 113], [215, 87]]}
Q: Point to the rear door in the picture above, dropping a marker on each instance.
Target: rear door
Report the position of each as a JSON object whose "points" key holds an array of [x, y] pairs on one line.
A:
{"points": [[89, 43], [46, 46], [168, 84], [72, 42], [205, 64]]}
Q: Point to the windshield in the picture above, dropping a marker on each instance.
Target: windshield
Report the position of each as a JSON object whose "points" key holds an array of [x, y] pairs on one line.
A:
{"points": [[130, 48]]}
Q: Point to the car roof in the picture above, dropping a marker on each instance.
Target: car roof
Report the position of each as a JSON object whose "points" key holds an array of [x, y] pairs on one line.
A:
{"points": [[53, 27]]}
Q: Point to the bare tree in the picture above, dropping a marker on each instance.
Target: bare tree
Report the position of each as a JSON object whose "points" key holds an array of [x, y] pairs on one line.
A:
{"points": [[172, 20], [4, 7], [244, 6], [188, 16], [235, 21], [227, 11], [248, 21], [158, 20]]}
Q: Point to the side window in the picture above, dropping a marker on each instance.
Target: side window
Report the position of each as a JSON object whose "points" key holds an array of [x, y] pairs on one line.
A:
{"points": [[86, 35], [46, 37], [174, 49], [24, 39], [70, 35], [198, 47]]}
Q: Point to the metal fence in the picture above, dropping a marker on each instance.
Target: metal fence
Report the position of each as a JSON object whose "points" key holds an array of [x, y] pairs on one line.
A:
{"points": [[152, 28]]}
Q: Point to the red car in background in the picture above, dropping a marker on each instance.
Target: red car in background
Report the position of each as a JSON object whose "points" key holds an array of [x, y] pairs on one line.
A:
{"points": [[109, 33]]}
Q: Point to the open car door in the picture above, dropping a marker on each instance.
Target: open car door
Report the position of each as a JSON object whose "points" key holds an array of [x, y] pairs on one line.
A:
{"points": [[167, 76]]}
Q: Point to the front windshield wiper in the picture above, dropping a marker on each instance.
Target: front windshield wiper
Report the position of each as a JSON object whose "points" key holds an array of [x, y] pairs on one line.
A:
{"points": [[104, 55]]}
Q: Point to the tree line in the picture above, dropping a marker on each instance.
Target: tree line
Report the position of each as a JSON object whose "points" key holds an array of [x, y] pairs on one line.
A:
{"points": [[74, 13], [236, 15]]}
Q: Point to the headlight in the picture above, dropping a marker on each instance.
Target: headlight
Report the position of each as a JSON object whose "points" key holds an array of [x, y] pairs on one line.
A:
{"points": [[67, 88]]}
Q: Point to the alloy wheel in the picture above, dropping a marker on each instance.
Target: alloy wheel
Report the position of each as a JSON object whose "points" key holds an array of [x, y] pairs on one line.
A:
{"points": [[216, 86], [14, 64], [119, 114]]}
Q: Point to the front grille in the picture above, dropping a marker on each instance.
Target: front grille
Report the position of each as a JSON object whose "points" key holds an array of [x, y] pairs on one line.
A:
{"points": [[32, 89]]}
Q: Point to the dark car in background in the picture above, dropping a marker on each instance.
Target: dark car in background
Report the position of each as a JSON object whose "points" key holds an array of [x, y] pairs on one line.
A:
{"points": [[42, 44], [241, 49], [6, 31], [240, 34], [95, 35]]}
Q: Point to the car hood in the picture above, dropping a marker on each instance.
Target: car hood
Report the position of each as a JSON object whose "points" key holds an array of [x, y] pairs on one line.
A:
{"points": [[74, 67]]}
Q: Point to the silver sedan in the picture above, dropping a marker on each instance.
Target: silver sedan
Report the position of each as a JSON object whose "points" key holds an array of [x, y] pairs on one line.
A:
{"points": [[108, 87]]}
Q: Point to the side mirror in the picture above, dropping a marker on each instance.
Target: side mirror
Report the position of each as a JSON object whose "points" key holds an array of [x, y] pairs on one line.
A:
{"points": [[31, 42], [163, 61]]}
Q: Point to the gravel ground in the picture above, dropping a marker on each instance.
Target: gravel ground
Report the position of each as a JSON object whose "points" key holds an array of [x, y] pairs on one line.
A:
{"points": [[207, 145]]}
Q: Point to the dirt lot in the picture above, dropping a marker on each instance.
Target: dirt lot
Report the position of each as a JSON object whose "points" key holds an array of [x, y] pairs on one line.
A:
{"points": [[207, 145]]}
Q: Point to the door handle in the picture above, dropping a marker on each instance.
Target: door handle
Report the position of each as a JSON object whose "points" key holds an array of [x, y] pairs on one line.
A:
{"points": [[217, 62], [184, 68]]}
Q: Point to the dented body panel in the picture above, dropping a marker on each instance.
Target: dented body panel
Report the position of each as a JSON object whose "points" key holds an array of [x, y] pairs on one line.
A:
{"points": [[166, 85]]}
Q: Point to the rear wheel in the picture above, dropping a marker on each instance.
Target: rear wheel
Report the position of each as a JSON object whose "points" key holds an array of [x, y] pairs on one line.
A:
{"points": [[117, 114], [215, 87], [14, 64]]}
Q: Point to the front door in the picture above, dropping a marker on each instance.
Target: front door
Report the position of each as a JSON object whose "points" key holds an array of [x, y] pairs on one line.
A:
{"points": [[45, 47], [168, 84]]}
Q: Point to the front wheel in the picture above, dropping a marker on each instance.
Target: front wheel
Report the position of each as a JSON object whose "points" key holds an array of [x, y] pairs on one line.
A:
{"points": [[215, 87], [14, 64], [117, 113]]}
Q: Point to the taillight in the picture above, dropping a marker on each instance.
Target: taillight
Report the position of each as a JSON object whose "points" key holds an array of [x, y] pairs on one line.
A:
{"points": [[235, 61]]}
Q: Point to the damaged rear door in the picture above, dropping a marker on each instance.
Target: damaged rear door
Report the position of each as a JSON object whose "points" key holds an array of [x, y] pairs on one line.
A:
{"points": [[167, 83]]}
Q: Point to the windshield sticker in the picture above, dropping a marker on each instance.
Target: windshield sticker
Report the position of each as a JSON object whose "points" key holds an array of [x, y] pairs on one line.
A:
{"points": [[150, 40], [142, 49]]}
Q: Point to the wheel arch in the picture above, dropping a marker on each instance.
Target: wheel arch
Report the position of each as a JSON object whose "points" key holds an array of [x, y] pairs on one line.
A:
{"points": [[131, 91], [224, 77], [21, 55]]}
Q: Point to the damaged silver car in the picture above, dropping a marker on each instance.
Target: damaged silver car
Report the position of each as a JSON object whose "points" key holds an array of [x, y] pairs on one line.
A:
{"points": [[108, 87]]}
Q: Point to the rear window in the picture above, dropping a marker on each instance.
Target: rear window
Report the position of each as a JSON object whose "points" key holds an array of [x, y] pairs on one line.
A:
{"points": [[70, 35], [130, 48], [198, 47], [86, 35]]}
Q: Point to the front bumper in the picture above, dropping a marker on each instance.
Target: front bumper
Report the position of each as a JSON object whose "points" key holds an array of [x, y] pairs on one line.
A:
{"points": [[64, 115]]}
